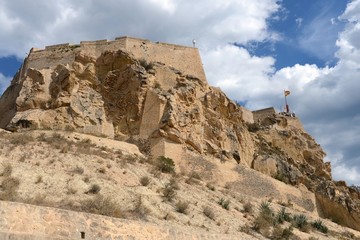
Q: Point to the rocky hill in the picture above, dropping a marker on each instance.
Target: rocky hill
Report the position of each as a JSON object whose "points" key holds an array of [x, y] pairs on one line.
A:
{"points": [[131, 129]]}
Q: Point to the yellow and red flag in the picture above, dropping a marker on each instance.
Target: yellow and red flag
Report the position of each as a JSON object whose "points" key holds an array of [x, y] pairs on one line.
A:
{"points": [[286, 92]]}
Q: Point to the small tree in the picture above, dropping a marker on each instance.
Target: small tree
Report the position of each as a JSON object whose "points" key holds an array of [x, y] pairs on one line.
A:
{"points": [[166, 165]]}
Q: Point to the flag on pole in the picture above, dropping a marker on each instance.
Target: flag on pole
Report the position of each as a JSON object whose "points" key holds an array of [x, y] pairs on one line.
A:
{"points": [[286, 92]]}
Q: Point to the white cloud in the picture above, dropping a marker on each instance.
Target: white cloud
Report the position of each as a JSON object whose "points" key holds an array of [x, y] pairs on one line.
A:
{"points": [[352, 11], [167, 5], [211, 22], [299, 21], [350, 175], [236, 72]]}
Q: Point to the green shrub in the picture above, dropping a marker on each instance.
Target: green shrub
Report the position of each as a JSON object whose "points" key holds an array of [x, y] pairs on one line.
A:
{"points": [[318, 224], [266, 211], [253, 127], [166, 165], [169, 191], [225, 204], [283, 216], [147, 65], [265, 219], [300, 222]]}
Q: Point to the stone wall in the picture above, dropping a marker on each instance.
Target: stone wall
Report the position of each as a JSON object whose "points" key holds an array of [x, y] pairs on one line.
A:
{"points": [[22, 221], [261, 114], [182, 58]]}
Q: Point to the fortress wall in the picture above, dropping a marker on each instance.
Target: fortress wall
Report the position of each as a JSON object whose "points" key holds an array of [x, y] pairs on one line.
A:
{"points": [[185, 59], [51, 57], [95, 48], [295, 122], [260, 115]]}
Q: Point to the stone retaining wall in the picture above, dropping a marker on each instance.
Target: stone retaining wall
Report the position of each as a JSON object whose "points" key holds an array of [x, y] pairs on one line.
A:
{"points": [[22, 221]]}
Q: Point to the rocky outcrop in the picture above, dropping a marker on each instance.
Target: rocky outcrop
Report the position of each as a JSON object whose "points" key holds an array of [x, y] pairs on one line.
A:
{"points": [[116, 94], [285, 151]]}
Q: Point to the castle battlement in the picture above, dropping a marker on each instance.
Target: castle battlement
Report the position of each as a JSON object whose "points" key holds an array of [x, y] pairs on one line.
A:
{"points": [[183, 58], [120, 41]]}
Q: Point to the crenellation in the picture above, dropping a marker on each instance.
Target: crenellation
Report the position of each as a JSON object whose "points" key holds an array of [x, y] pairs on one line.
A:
{"points": [[120, 41]]}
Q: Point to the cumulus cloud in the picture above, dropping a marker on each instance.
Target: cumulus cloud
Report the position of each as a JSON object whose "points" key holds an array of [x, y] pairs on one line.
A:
{"points": [[28, 24], [239, 74]]}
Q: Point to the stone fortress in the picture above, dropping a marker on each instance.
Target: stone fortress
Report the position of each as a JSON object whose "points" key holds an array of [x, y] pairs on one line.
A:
{"points": [[90, 88], [183, 58], [157, 92]]}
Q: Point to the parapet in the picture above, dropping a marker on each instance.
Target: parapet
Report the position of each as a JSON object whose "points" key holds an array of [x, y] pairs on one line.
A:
{"points": [[51, 47]]}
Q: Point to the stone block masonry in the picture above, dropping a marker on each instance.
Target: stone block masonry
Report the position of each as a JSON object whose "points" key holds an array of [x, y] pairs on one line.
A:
{"points": [[185, 59], [261, 114]]}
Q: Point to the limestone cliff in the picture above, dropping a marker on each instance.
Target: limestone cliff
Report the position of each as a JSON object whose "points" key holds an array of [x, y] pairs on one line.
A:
{"points": [[132, 88]]}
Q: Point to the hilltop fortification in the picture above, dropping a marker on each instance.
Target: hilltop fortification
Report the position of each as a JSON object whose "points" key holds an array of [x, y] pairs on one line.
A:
{"points": [[157, 95], [182, 58]]}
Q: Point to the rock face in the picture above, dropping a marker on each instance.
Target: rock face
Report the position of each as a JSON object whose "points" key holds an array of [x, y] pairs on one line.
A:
{"points": [[132, 88]]}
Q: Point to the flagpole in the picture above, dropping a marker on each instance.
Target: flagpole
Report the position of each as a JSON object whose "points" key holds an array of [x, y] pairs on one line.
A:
{"points": [[286, 105]]}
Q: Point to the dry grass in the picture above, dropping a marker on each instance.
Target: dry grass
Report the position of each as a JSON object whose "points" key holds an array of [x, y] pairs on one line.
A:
{"points": [[210, 186], [169, 191], [208, 211], [38, 179], [144, 181], [101, 205], [78, 170], [182, 206], [20, 139], [94, 189], [248, 207], [9, 186], [7, 170]]}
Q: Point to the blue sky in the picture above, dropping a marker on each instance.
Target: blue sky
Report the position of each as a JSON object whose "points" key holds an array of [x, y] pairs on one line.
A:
{"points": [[251, 49], [9, 65], [307, 37]]}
